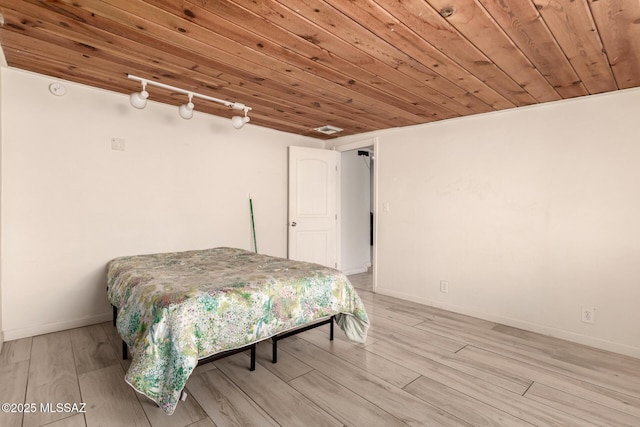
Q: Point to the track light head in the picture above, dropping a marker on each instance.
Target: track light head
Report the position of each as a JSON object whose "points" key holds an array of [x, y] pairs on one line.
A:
{"points": [[186, 110], [139, 99], [239, 121]]}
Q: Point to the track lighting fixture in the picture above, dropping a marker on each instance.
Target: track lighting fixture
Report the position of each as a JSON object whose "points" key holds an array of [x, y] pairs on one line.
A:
{"points": [[139, 100], [239, 121], [186, 110]]}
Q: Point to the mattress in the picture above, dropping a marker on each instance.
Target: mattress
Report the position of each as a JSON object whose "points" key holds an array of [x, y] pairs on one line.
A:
{"points": [[176, 308]]}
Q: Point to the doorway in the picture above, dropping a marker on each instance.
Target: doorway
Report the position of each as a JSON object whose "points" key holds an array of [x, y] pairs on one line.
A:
{"points": [[357, 215]]}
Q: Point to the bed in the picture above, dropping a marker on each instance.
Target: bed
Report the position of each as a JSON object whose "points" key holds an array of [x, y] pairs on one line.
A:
{"points": [[175, 309]]}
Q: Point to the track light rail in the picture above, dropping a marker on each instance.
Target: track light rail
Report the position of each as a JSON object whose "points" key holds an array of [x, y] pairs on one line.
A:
{"points": [[186, 111]]}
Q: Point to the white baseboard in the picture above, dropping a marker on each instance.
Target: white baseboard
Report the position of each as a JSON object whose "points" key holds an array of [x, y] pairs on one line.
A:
{"points": [[521, 324], [355, 271], [31, 331], [365, 267]]}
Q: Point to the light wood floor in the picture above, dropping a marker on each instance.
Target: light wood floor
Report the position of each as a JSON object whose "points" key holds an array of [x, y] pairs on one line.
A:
{"points": [[420, 366]]}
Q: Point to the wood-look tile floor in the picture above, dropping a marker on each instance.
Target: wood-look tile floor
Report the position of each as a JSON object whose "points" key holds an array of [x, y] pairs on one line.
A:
{"points": [[420, 366]]}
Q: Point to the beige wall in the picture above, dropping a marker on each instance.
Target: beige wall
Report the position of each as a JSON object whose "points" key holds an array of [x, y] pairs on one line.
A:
{"points": [[529, 214], [70, 203], [3, 63]]}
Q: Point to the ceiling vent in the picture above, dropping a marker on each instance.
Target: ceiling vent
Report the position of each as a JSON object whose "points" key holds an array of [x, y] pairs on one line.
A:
{"points": [[328, 129]]}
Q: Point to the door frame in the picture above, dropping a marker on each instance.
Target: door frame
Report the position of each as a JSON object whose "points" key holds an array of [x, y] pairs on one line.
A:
{"points": [[362, 143]]}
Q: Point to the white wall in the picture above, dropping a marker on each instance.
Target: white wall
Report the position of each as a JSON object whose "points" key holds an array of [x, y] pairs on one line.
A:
{"points": [[530, 214], [355, 184], [3, 63], [70, 203]]}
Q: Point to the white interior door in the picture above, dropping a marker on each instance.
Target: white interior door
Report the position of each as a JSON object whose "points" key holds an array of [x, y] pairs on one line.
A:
{"points": [[313, 196]]}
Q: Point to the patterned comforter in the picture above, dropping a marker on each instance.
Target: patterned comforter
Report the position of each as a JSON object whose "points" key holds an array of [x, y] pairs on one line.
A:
{"points": [[176, 308]]}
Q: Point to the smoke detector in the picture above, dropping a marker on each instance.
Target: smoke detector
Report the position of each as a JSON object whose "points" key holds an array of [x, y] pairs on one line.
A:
{"points": [[328, 129]]}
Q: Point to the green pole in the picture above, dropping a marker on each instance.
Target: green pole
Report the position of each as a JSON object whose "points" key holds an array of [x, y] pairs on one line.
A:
{"points": [[253, 225]]}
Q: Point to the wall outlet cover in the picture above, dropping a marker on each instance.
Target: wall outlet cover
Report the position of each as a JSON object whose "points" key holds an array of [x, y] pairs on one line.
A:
{"points": [[588, 315]]}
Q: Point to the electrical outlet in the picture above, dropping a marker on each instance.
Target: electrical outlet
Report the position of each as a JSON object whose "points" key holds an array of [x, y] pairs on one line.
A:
{"points": [[444, 286], [588, 315]]}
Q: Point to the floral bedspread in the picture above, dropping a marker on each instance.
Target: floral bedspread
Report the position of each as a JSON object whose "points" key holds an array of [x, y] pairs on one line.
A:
{"points": [[176, 308]]}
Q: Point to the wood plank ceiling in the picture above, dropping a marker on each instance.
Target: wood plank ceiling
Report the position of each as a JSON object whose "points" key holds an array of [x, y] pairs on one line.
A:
{"points": [[360, 65]]}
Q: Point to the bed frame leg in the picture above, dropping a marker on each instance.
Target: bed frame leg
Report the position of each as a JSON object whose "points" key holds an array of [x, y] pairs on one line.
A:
{"points": [[331, 329], [252, 367], [274, 349], [275, 338], [115, 314]]}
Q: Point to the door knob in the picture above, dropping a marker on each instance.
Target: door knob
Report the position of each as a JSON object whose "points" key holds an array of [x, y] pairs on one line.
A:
{"points": [[293, 224]]}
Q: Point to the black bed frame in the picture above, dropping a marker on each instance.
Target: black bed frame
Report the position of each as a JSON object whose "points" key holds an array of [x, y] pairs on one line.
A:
{"points": [[252, 347]]}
